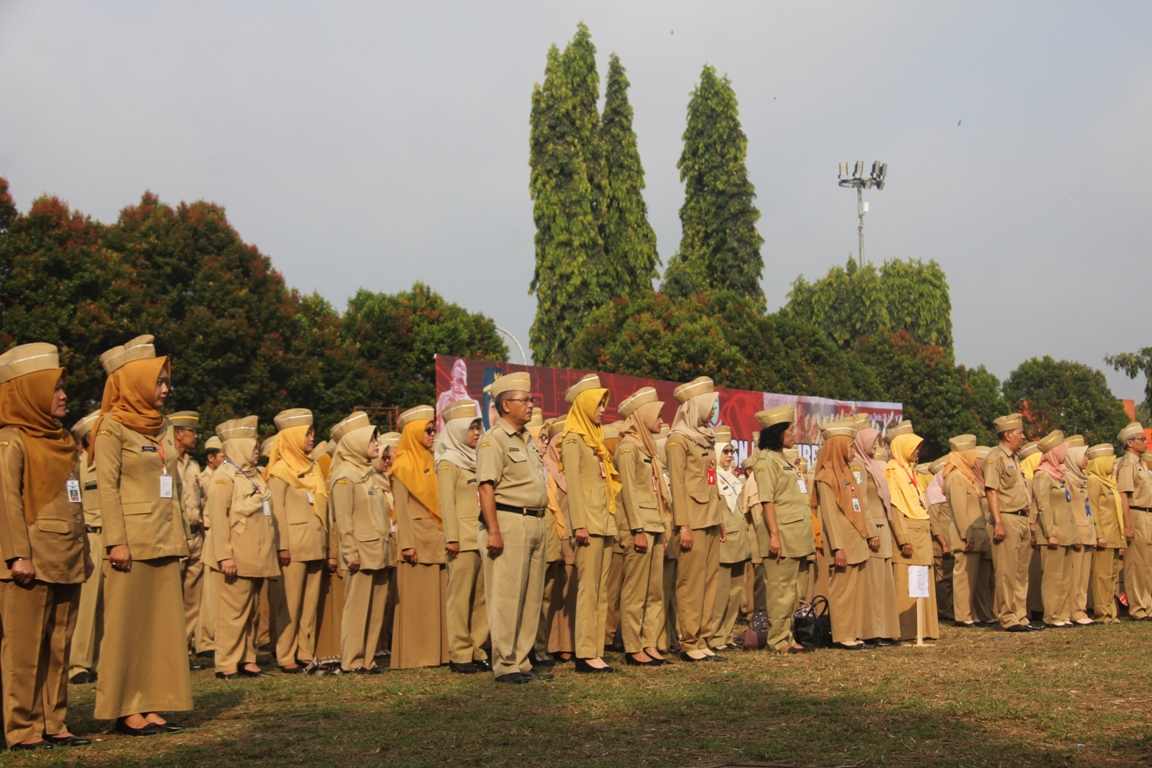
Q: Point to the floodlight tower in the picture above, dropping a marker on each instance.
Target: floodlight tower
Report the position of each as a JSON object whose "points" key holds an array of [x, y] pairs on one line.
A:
{"points": [[858, 181]]}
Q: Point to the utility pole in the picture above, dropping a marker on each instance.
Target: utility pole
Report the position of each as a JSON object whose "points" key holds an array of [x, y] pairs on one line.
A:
{"points": [[858, 181]]}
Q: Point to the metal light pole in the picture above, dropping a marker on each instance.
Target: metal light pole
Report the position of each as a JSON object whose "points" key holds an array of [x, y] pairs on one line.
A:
{"points": [[523, 357], [858, 181]]}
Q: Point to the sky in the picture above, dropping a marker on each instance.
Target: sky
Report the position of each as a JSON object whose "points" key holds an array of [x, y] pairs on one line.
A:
{"points": [[375, 144]]}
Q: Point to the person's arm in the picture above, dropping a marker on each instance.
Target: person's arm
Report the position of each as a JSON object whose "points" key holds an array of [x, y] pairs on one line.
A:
{"points": [[677, 455], [1042, 492], [1126, 486], [489, 472], [279, 490], [190, 495], [219, 508], [343, 503], [828, 510], [626, 464], [405, 531], [572, 454], [447, 475], [487, 494], [991, 486], [14, 540], [961, 512]]}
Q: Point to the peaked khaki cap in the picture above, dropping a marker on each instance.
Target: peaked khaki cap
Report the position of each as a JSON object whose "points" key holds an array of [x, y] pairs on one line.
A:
{"points": [[640, 397], [723, 434], [461, 409], [1103, 449], [1007, 423], [389, 439], [665, 430], [1075, 441], [701, 385], [1028, 449], [139, 348], [863, 421], [28, 358], [213, 444], [238, 428], [81, 428], [185, 419], [1129, 432], [982, 452], [781, 414], [511, 382], [748, 463], [266, 447], [962, 443], [903, 428], [881, 453], [320, 449], [1051, 440], [1147, 457], [353, 421], [922, 468], [756, 439], [556, 425], [590, 381], [419, 413], [293, 417], [537, 419], [938, 465], [842, 428], [792, 454]]}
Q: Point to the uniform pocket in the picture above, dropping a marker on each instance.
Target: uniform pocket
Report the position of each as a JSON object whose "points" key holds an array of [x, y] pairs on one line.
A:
{"points": [[53, 526], [136, 507]]}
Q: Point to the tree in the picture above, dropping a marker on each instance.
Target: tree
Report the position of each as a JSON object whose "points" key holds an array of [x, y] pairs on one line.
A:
{"points": [[8, 212], [629, 241], [980, 403], [719, 245], [1132, 364], [399, 335], [1064, 395]]}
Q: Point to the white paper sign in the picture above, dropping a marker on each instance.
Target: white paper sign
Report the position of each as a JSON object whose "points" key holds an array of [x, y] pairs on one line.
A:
{"points": [[918, 581]]}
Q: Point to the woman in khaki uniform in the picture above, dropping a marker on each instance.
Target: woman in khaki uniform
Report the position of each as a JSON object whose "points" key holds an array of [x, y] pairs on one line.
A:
{"points": [[593, 485], [144, 536], [1075, 479], [83, 655], [1108, 516], [736, 550], [360, 511], [45, 550], [695, 515], [420, 630], [964, 487], [912, 530], [561, 578], [1055, 530], [300, 505], [245, 545], [389, 442], [330, 610], [880, 621], [460, 511], [646, 506]]}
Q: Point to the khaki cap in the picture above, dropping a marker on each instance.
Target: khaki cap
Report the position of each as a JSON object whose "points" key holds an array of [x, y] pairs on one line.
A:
{"points": [[665, 430], [640, 397], [590, 381], [320, 449], [842, 428], [537, 419], [1051, 440], [863, 421], [881, 453], [962, 443], [81, 428], [748, 463], [1147, 457], [1103, 449], [792, 454], [781, 414], [213, 444], [139, 348], [267, 446], [1129, 432], [756, 439], [461, 409], [185, 419], [1028, 449], [937, 465], [419, 413], [28, 358], [238, 428], [389, 439], [802, 464], [982, 452], [511, 382], [701, 385], [723, 434], [1008, 423], [903, 428], [1075, 441], [556, 425], [923, 468], [353, 421], [293, 417]]}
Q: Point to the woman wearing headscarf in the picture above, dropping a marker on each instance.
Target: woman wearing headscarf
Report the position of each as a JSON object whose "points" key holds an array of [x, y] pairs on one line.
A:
{"points": [[880, 621], [646, 506], [849, 538], [1108, 516], [964, 486], [561, 578], [696, 517], [748, 505], [1076, 481], [460, 510], [245, 544], [330, 611], [912, 529], [735, 551], [382, 468], [300, 505], [1055, 530], [420, 629], [360, 511], [943, 560], [141, 673], [593, 484], [45, 550]]}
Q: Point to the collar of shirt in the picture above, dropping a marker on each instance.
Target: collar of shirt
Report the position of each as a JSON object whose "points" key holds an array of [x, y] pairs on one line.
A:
{"points": [[511, 430]]}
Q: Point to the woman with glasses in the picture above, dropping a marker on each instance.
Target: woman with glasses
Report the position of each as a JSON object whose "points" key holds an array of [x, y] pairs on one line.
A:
{"points": [[735, 551]]}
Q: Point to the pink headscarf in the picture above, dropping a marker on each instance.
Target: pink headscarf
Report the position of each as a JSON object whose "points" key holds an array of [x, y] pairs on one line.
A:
{"points": [[935, 493], [1053, 462], [865, 442]]}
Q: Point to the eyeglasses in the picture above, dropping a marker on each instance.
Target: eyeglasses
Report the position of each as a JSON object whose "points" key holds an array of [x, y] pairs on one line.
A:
{"points": [[430, 430], [529, 400], [728, 451]]}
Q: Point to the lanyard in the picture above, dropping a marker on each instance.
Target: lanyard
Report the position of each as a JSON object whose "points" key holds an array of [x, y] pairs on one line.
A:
{"points": [[160, 450], [255, 488]]}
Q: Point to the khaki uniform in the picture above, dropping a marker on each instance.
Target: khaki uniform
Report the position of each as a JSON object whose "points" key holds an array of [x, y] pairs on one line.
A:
{"points": [[845, 594], [1081, 558], [555, 574], [1106, 561], [304, 534], [735, 552], [206, 621], [141, 671], [1012, 556], [642, 592], [943, 566], [90, 616], [786, 576], [561, 583], [754, 596], [192, 503], [360, 510], [588, 508], [1133, 478], [1055, 520], [918, 533], [514, 580], [39, 618], [879, 615], [695, 504], [467, 611], [972, 578], [420, 625]]}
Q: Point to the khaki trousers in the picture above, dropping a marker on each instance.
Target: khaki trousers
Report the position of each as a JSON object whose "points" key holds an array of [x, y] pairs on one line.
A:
{"points": [[467, 611], [1138, 566], [697, 571], [365, 597], [1056, 588], [551, 573], [38, 621], [669, 634], [192, 572], [562, 607], [968, 579], [615, 584], [784, 582], [845, 601], [299, 588], [729, 594], [514, 586], [209, 588], [642, 593], [1105, 575], [1080, 580], [85, 652], [1011, 559], [237, 607], [593, 562]]}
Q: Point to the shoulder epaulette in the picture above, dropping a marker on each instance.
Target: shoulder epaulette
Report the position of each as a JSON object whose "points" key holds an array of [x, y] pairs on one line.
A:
{"points": [[341, 481]]}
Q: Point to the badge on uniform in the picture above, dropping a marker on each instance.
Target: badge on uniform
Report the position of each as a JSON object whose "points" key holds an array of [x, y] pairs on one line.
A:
{"points": [[310, 499], [603, 472], [856, 474], [73, 487], [855, 504], [165, 486], [803, 485], [267, 509], [711, 476]]}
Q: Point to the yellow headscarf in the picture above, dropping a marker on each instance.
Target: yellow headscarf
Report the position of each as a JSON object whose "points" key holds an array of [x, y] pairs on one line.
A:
{"points": [[49, 451], [906, 494], [291, 464], [579, 422], [415, 468], [1029, 463], [1101, 468]]}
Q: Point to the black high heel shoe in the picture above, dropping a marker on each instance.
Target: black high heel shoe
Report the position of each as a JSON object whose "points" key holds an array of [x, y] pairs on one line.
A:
{"points": [[582, 665], [149, 729], [633, 662]]}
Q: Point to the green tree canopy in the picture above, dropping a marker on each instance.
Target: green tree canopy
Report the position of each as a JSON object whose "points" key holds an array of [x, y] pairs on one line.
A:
{"points": [[1064, 395], [1133, 364], [981, 402]]}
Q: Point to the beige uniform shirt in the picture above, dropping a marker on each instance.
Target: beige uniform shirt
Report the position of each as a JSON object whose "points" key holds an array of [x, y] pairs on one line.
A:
{"points": [[362, 518], [459, 505], [302, 531], [243, 526], [641, 505], [587, 489], [90, 496], [193, 494], [778, 483], [695, 500], [1002, 474], [877, 514], [967, 514], [416, 528], [1133, 477], [511, 462], [839, 533], [1108, 526], [1054, 511]]}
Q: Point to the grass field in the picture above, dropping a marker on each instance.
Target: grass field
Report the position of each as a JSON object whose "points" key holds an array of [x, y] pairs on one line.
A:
{"points": [[977, 697]]}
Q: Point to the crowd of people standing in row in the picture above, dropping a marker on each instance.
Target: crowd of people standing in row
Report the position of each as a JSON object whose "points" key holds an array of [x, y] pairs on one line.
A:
{"points": [[535, 543]]}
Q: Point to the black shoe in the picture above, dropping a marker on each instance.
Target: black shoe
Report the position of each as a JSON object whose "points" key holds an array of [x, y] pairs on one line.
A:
{"points": [[1019, 628], [249, 673], [1036, 627], [965, 624], [534, 675], [659, 662], [227, 675], [367, 670], [195, 666], [292, 670], [482, 664], [34, 745], [83, 677], [715, 657], [685, 657], [463, 669], [150, 729], [883, 643], [169, 727], [632, 662], [541, 661], [67, 741], [514, 677], [582, 665], [842, 647]]}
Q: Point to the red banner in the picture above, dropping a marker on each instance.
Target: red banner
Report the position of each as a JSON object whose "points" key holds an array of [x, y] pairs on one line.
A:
{"points": [[458, 378]]}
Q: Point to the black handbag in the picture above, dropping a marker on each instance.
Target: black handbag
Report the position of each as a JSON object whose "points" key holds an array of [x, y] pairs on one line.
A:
{"points": [[811, 625]]}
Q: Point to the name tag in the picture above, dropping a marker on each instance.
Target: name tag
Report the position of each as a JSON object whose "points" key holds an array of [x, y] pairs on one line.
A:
{"points": [[855, 505], [803, 485], [653, 482], [310, 500], [711, 476], [165, 486], [856, 474], [73, 487], [603, 472], [267, 509], [148, 448]]}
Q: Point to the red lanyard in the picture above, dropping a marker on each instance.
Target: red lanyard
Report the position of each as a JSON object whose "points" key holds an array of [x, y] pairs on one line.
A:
{"points": [[160, 451]]}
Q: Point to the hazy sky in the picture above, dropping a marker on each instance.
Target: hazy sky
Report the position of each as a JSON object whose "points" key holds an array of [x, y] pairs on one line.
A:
{"points": [[376, 144]]}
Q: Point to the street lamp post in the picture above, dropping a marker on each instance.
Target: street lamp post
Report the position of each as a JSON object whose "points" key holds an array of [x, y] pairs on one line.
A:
{"points": [[858, 181]]}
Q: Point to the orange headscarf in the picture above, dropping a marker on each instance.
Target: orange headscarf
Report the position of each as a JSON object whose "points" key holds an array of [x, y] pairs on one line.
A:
{"points": [[130, 398], [49, 451], [832, 470], [414, 466]]}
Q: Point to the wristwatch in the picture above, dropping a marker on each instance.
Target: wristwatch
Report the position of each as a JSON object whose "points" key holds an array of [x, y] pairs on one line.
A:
{"points": [[637, 530]]}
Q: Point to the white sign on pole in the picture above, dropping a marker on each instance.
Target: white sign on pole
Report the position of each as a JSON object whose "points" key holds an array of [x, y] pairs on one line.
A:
{"points": [[918, 581]]}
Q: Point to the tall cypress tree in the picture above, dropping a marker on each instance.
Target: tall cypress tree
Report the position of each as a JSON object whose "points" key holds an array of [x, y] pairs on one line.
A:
{"points": [[629, 241], [719, 247]]}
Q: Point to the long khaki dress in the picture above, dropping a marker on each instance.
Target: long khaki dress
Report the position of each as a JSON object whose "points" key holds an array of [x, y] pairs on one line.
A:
{"points": [[304, 533], [1106, 560], [1055, 520], [918, 533], [879, 619], [420, 631], [845, 591]]}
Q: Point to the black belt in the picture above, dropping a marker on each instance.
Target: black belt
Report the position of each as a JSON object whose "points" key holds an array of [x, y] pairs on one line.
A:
{"points": [[195, 528], [95, 528], [1142, 509], [1021, 512], [527, 511]]}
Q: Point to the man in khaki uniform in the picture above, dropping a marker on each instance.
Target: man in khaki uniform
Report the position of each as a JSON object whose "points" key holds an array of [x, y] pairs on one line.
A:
{"points": [[1134, 485], [513, 501], [206, 620], [185, 425], [85, 652], [1008, 504]]}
